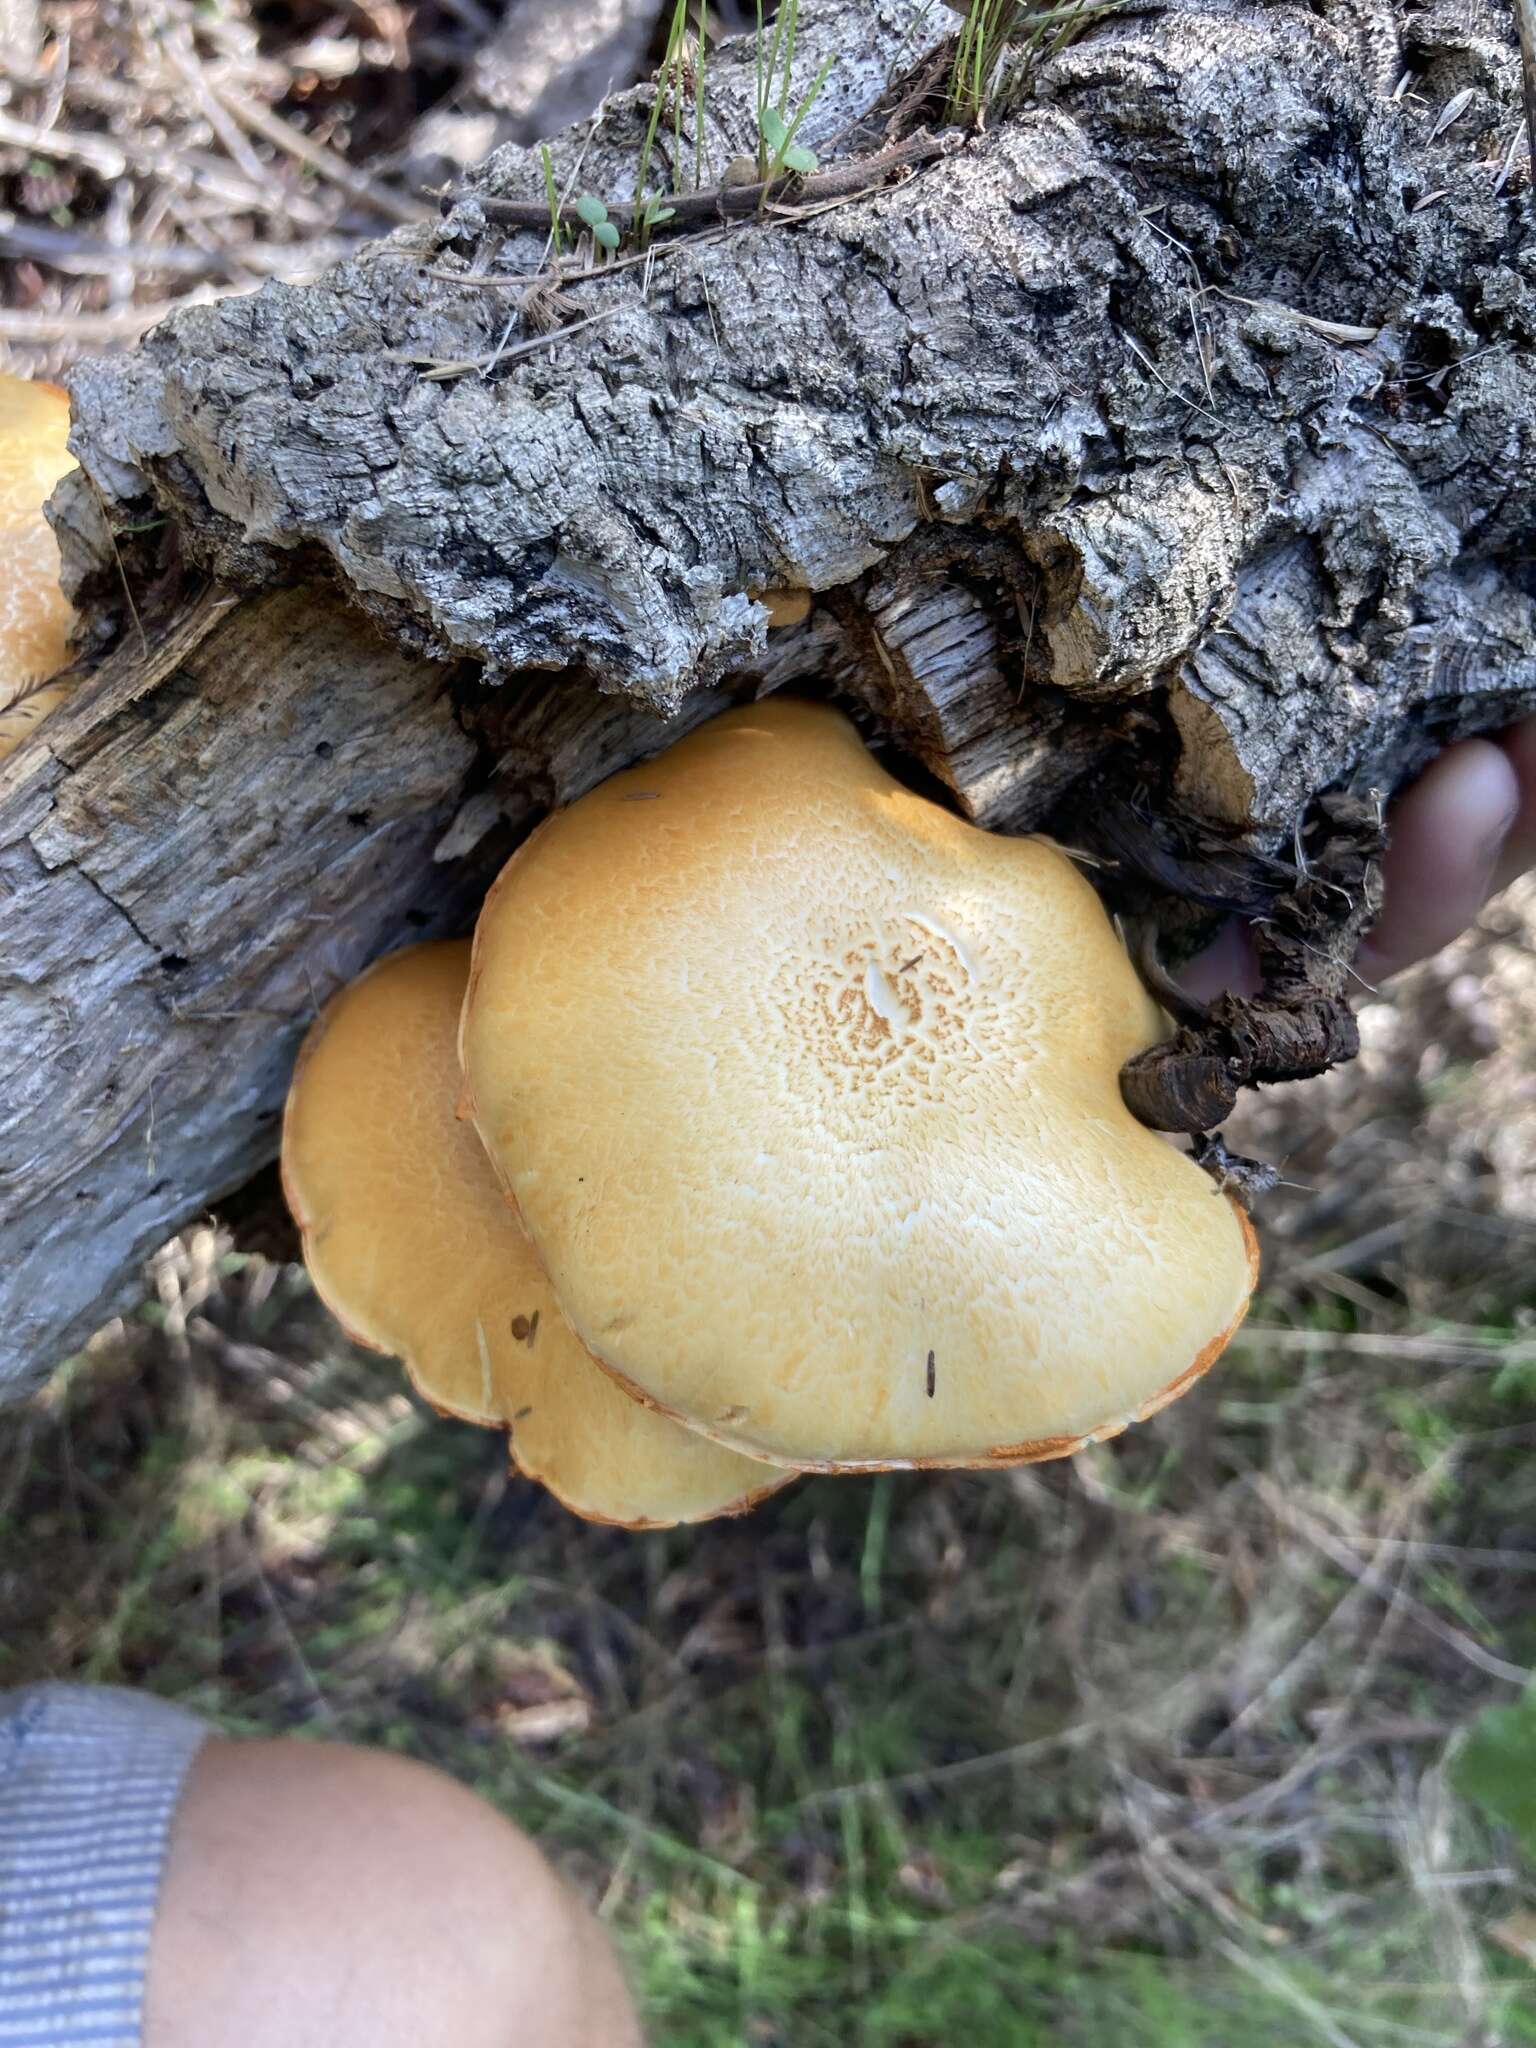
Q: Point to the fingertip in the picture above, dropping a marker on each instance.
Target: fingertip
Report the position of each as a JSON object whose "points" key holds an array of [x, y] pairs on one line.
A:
{"points": [[1446, 833], [1519, 851], [1228, 963], [1519, 745]]}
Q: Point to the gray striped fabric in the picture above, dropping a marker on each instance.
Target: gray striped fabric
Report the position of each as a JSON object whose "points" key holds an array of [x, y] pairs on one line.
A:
{"points": [[89, 1778]]}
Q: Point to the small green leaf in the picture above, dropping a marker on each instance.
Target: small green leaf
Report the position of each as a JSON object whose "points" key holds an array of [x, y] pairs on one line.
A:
{"points": [[657, 214], [604, 232], [592, 210], [801, 160], [1496, 1769], [774, 127]]}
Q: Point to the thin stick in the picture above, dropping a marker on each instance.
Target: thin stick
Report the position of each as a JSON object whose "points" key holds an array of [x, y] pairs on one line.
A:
{"points": [[324, 162], [1369, 1576], [551, 248], [183, 55], [510, 280], [82, 256], [94, 151], [842, 181], [122, 577], [435, 371]]}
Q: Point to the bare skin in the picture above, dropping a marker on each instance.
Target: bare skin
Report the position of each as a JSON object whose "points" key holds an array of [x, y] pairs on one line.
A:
{"points": [[317, 1896], [1465, 829]]}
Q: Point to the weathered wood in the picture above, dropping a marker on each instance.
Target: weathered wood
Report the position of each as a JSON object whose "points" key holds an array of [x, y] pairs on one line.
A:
{"points": [[1220, 345], [180, 885], [1160, 458]]}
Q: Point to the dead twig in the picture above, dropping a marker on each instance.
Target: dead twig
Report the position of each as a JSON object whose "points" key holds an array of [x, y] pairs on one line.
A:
{"points": [[1372, 1579], [515, 280], [325, 162], [1449, 1348], [96, 152], [436, 371], [77, 255], [839, 183]]}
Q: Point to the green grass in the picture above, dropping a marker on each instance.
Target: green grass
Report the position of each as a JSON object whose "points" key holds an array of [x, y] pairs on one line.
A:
{"points": [[894, 1761], [998, 44], [1496, 1770]]}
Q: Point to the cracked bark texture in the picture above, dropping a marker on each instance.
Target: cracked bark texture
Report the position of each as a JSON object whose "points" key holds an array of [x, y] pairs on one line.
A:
{"points": [[1160, 458], [1107, 332]]}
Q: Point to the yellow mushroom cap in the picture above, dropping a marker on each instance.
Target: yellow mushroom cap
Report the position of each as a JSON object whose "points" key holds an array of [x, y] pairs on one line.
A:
{"points": [[807, 1092], [784, 607], [413, 1246], [35, 620]]}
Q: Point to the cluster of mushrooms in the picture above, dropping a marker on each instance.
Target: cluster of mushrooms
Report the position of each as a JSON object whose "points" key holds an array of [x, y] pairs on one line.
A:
{"points": [[35, 618], [770, 1124]]}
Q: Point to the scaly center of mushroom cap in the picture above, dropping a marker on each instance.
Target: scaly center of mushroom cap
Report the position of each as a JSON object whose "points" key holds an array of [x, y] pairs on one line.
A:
{"points": [[903, 1003]]}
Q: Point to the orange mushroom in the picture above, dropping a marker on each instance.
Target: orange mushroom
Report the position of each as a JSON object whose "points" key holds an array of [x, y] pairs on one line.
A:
{"points": [[35, 619], [807, 1093], [784, 607], [411, 1243]]}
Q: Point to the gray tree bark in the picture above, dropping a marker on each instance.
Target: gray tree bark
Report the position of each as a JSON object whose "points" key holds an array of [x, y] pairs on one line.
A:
{"points": [[1158, 458]]}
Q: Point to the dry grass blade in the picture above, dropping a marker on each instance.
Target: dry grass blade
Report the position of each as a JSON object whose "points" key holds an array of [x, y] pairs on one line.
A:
{"points": [[435, 371], [77, 255], [1345, 331], [1433, 1348], [94, 151], [1371, 1578], [147, 149], [324, 162]]}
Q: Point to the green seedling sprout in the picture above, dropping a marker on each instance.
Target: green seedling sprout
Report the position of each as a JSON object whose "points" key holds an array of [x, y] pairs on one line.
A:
{"points": [[556, 237], [777, 150], [651, 210], [595, 214]]}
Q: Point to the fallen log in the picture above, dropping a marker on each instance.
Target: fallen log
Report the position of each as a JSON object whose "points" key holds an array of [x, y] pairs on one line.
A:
{"points": [[1157, 457]]}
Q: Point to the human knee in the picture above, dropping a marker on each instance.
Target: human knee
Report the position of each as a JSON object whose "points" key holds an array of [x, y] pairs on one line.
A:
{"points": [[317, 1894]]}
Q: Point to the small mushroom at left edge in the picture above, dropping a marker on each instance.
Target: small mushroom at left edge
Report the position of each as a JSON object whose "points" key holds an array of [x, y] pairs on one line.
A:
{"points": [[415, 1249]]}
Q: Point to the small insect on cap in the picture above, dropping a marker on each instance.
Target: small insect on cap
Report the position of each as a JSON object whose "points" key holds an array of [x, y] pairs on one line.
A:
{"points": [[808, 1095], [414, 1248], [35, 619]]}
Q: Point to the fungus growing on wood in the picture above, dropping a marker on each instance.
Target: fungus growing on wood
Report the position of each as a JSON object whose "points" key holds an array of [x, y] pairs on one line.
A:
{"points": [[412, 1245], [808, 1095], [35, 618], [784, 607]]}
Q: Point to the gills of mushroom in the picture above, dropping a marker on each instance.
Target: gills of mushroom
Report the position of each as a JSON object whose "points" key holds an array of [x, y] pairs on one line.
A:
{"points": [[412, 1245], [807, 1093], [35, 619]]}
